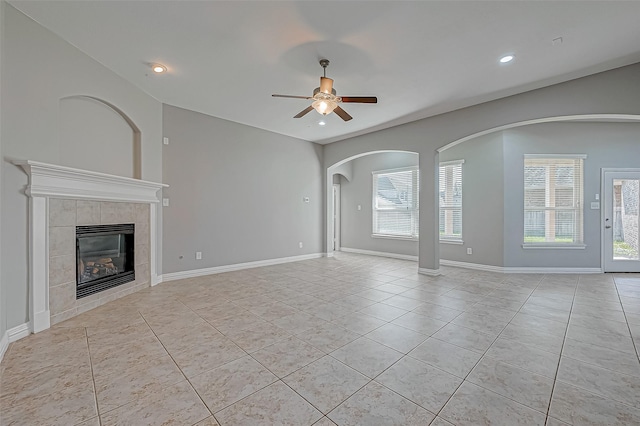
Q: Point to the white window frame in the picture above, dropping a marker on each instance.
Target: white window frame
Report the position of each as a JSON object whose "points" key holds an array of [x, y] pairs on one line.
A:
{"points": [[415, 216], [450, 238], [578, 208]]}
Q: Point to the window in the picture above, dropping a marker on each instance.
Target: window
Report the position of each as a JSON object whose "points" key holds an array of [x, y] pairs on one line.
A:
{"points": [[450, 195], [553, 199], [395, 203]]}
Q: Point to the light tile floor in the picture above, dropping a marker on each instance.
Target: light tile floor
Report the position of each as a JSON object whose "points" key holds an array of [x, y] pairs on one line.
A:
{"points": [[344, 340]]}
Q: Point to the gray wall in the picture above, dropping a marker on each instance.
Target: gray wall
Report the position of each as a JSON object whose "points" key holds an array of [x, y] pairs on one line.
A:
{"points": [[493, 207], [482, 200], [612, 92], [356, 225], [606, 145], [236, 193], [3, 284], [30, 127]]}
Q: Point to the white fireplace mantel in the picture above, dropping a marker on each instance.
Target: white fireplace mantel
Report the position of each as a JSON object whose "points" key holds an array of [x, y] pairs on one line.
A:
{"points": [[52, 181]]}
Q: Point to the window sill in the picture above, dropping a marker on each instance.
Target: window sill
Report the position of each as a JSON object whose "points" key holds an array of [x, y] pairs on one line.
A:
{"points": [[558, 246], [458, 242], [394, 237]]}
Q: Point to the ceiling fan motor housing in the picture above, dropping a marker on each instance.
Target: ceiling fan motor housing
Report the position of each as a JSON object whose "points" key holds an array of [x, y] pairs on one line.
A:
{"points": [[317, 90]]}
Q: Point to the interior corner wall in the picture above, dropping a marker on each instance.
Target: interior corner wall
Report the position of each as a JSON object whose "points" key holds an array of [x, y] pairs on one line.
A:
{"points": [[3, 298], [31, 95], [483, 198], [237, 193], [356, 225], [606, 145]]}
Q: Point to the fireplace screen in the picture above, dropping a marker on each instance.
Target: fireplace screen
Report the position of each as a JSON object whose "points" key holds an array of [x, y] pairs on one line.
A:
{"points": [[104, 257]]}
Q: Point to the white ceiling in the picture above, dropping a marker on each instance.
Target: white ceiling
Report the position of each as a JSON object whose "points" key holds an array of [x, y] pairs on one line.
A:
{"points": [[420, 58]]}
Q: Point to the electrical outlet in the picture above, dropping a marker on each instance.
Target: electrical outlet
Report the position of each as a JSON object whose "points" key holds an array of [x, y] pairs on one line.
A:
{"points": [[198, 255], [165, 141], [469, 250], [300, 244]]}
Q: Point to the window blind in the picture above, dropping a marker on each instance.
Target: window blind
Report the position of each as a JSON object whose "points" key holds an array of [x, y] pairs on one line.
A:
{"points": [[395, 202], [450, 195], [553, 200]]}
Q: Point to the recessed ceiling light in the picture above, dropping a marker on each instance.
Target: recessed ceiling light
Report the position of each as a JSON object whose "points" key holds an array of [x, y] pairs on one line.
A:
{"points": [[158, 68], [321, 123], [506, 59]]}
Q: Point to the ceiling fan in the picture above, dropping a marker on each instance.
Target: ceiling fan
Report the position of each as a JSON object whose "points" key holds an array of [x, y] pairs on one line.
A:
{"points": [[325, 100]]}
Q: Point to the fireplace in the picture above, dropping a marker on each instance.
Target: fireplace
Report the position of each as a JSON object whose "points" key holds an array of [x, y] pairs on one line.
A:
{"points": [[104, 257], [62, 198]]}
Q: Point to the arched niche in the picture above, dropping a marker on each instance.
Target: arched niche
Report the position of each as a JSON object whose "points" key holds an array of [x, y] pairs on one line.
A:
{"points": [[96, 135]]}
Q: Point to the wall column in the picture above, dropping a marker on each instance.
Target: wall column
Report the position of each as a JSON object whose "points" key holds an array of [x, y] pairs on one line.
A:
{"points": [[429, 245]]}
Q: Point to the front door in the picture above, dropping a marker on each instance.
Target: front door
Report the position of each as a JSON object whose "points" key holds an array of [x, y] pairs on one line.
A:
{"points": [[621, 220]]}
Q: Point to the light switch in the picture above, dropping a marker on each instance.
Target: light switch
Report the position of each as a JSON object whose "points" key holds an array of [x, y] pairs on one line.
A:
{"points": [[359, 207], [165, 202], [165, 141]]}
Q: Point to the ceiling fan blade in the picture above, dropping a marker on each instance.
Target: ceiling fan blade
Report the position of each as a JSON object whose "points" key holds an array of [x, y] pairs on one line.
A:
{"points": [[342, 114], [303, 112], [360, 99], [292, 96]]}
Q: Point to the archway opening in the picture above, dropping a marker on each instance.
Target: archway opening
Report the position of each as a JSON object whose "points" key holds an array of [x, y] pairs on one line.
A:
{"points": [[355, 174]]}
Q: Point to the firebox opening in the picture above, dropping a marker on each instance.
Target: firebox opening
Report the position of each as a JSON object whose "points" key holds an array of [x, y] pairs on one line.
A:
{"points": [[104, 257]]}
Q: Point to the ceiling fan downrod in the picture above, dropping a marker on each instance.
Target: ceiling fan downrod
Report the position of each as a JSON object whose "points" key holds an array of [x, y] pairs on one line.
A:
{"points": [[324, 63]]}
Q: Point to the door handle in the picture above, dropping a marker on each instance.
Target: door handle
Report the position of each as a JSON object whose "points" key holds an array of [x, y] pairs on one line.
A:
{"points": [[607, 226]]}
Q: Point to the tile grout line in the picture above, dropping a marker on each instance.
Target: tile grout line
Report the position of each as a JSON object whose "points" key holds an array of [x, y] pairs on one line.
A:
{"points": [[484, 354], [566, 332], [624, 312], [325, 284], [176, 364], [278, 379], [93, 379]]}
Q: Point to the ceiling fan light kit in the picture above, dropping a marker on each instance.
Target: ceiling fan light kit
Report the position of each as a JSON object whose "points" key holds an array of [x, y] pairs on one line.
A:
{"points": [[325, 100]]}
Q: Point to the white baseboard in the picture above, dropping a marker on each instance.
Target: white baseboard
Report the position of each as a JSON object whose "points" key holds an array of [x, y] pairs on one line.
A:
{"points": [[18, 332], [533, 270], [11, 335], [156, 279], [380, 253], [430, 272], [475, 266], [237, 267], [520, 269], [4, 344]]}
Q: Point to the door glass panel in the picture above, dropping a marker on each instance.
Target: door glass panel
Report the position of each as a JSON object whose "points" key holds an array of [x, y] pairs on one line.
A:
{"points": [[626, 212]]}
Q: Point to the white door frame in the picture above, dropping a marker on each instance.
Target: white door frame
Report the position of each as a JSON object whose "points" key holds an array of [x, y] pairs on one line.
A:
{"points": [[336, 217], [603, 213]]}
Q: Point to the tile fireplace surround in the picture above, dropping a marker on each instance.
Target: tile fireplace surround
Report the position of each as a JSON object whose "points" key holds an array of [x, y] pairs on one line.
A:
{"points": [[60, 199], [64, 215]]}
